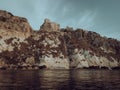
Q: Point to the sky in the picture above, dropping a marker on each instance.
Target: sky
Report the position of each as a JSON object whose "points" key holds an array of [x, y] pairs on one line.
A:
{"points": [[101, 16]]}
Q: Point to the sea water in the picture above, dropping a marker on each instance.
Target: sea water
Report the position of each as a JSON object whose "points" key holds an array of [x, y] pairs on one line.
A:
{"points": [[80, 79]]}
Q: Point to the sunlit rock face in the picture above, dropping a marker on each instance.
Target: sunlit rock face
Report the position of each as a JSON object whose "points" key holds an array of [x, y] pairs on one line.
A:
{"points": [[52, 47], [84, 59], [50, 26], [13, 30], [13, 26], [49, 49], [88, 49]]}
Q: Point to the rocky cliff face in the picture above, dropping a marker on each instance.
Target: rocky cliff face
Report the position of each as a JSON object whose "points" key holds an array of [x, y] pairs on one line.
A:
{"points": [[13, 26], [52, 47]]}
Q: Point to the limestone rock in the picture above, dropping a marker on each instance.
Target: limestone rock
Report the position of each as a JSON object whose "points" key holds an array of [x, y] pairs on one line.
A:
{"points": [[14, 25], [50, 26], [52, 47]]}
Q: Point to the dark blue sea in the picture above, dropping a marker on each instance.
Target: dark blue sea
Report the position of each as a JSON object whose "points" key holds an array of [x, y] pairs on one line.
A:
{"points": [[80, 79]]}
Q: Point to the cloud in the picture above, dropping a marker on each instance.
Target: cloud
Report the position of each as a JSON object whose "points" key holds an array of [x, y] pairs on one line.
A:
{"points": [[87, 19]]}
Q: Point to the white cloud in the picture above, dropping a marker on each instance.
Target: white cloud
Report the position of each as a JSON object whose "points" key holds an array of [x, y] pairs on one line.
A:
{"points": [[87, 19]]}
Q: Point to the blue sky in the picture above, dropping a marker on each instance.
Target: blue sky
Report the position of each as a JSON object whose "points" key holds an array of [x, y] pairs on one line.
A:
{"points": [[101, 16]]}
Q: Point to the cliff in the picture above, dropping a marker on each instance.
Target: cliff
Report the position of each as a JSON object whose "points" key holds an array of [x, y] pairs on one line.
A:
{"points": [[52, 47], [13, 26]]}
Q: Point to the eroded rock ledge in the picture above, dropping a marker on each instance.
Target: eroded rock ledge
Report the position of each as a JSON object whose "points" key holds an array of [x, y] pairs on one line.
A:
{"points": [[52, 47]]}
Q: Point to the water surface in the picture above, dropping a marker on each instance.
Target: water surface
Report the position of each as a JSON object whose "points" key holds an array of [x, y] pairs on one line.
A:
{"points": [[60, 80]]}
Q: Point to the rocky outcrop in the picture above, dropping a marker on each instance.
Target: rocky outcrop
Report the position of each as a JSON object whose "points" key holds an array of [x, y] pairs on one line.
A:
{"points": [[89, 49], [13, 30], [50, 26], [55, 48], [13, 26]]}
